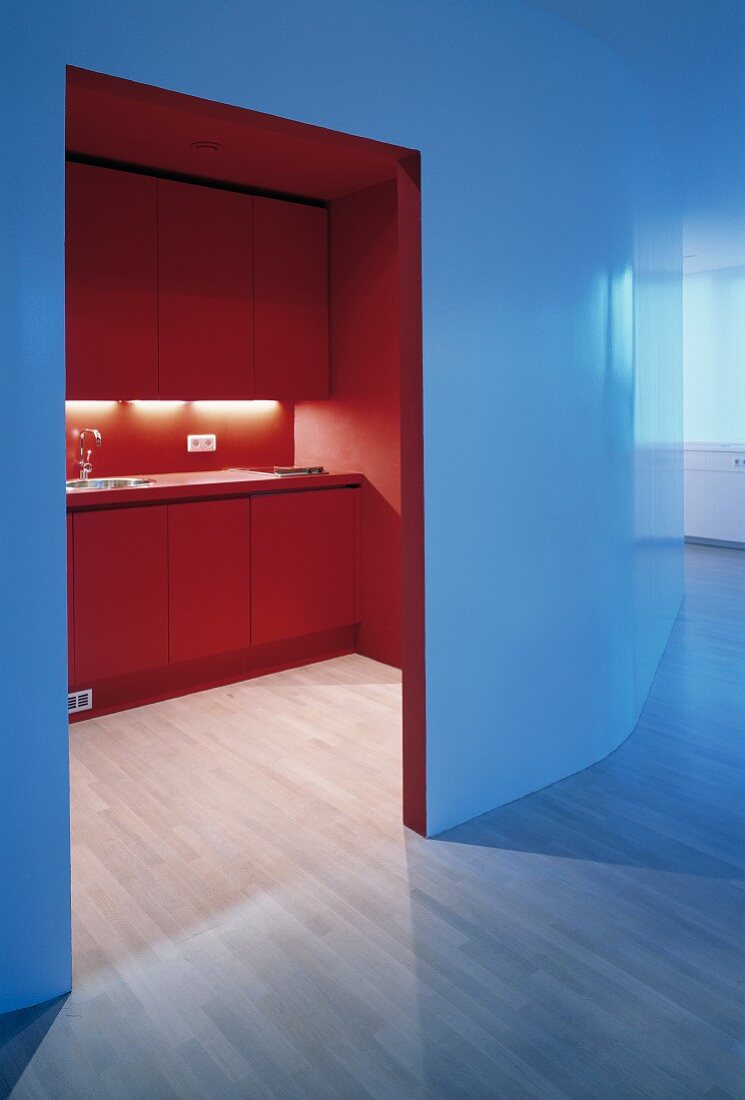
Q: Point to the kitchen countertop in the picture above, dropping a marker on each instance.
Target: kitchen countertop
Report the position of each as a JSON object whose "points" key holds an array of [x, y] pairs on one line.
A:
{"points": [[714, 446], [204, 485]]}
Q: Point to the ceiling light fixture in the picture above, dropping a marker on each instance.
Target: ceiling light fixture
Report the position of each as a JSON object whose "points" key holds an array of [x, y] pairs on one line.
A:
{"points": [[206, 146]]}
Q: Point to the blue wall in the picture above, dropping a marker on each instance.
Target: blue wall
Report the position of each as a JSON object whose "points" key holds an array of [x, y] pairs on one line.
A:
{"points": [[552, 411], [553, 363], [714, 355], [688, 58]]}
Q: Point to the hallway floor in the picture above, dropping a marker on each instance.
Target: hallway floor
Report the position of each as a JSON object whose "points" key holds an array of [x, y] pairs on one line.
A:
{"points": [[250, 919]]}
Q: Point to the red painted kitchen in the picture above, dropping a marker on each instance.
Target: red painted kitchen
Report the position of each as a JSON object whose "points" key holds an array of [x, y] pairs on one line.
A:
{"points": [[243, 413]]}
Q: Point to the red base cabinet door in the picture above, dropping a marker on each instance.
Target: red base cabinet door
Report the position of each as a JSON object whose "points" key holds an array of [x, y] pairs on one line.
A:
{"points": [[303, 563], [209, 580], [205, 283], [120, 592], [70, 612], [111, 292], [291, 313]]}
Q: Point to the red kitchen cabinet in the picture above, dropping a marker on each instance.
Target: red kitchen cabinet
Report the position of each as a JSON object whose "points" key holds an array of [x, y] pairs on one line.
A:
{"points": [[182, 291], [291, 318], [120, 591], [209, 580], [111, 284], [70, 613], [205, 283], [303, 563]]}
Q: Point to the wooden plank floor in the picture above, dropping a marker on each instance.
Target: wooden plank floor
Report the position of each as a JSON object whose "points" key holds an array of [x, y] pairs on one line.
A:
{"points": [[252, 921]]}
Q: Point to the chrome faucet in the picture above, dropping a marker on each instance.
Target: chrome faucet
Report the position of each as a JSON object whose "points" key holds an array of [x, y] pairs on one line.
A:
{"points": [[85, 462]]}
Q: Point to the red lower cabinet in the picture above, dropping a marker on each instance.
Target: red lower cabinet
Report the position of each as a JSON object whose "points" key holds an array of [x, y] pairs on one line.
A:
{"points": [[303, 563], [70, 612], [164, 599], [209, 591], [120, 591]]}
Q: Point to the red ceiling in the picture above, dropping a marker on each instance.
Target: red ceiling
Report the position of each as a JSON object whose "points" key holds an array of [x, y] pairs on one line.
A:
{"points": [[118, 120]]}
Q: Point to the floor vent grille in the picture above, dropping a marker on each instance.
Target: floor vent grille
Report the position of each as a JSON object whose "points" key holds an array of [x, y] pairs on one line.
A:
{"points": [[79, 700]]}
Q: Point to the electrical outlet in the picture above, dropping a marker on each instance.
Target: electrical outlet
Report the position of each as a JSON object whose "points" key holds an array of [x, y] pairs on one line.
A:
{"points": [[201, 443], [739, 462]]}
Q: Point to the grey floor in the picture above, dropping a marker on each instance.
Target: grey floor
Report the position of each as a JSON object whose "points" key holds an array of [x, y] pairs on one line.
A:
{"points": [[586, 941]]}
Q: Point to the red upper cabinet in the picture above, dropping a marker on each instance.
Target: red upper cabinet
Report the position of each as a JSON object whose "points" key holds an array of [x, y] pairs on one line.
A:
{"points": [[303, 563], [188, 292], [120, 591], [291, 349], [208, 555], [205, 284], [111, 284]]}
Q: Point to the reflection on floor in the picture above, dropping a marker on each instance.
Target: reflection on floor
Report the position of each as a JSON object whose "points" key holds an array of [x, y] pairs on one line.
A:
{"points": [[252, 921]]}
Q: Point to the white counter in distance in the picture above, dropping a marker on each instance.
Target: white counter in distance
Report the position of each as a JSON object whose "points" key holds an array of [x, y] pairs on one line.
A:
{"points": [[715, 492]]}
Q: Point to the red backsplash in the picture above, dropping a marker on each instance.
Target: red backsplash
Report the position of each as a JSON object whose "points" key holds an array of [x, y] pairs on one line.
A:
{"points": [[149, 437]]}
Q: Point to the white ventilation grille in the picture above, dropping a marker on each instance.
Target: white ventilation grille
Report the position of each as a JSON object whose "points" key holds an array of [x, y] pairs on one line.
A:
{"points": [[80, 700]]}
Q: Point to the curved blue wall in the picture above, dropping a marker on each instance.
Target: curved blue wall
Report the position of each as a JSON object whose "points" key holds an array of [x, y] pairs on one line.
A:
{"points": [[552, 377]]}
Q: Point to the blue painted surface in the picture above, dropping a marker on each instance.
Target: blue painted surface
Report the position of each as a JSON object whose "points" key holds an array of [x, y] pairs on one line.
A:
{"points": [[688, 58], [552, 578], [714, 354]]}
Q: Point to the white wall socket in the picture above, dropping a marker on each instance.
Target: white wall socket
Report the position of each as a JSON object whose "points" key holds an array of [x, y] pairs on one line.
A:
{"points": [[201, 442]]}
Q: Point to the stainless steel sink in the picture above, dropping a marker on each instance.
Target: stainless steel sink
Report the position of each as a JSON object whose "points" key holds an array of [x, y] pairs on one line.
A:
{"points": [[109, 483]]}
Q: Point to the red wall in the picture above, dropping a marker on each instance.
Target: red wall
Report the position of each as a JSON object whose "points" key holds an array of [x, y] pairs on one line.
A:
{"points": [[359, 428], [375, 283], [150, 436], [412, 492]]}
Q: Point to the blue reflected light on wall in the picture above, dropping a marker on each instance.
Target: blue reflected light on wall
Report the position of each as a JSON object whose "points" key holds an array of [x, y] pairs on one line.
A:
{"points": [[714, 355]]}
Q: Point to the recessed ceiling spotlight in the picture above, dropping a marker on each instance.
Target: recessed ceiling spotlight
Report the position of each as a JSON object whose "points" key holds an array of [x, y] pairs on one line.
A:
{"points": [[206, 146]]}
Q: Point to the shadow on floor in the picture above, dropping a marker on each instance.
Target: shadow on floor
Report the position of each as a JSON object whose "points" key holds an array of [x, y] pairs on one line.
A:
{"points": [[21, 1035], [576, 820], [672, 797]]}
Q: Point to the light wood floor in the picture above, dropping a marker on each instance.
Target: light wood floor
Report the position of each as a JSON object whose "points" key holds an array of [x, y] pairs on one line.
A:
{"points": [[252, 921]]}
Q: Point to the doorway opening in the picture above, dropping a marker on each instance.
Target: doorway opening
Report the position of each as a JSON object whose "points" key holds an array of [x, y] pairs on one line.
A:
{"points": [[167, 196]]}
